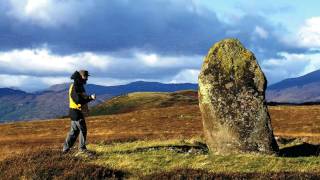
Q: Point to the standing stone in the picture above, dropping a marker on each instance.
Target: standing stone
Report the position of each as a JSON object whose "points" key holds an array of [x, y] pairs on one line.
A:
{"points": [[232, 101]]}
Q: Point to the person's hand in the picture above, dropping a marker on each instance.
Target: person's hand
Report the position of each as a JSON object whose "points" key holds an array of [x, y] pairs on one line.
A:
{"points": [[93, 96]]}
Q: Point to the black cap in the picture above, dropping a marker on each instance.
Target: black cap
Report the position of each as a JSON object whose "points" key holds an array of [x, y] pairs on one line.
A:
{"points": [[84, 73]]}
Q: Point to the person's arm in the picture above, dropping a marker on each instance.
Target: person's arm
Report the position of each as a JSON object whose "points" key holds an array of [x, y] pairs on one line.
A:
{"points": [[78, 95]]}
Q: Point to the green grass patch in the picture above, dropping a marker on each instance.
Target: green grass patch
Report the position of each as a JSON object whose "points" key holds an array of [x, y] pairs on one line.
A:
{"points": [[144, 100], [151, 157]]}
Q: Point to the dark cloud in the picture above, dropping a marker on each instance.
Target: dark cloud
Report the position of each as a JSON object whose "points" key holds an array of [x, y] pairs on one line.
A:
{"points": [[164, 27], [268, 47]]}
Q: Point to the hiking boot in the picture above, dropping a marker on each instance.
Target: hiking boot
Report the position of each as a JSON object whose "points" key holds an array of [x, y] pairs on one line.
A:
{"points": [[65, 151], [87, 152]]}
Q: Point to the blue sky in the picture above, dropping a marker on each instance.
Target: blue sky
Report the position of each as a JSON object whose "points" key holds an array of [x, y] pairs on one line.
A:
{"points": [[119, 41]]}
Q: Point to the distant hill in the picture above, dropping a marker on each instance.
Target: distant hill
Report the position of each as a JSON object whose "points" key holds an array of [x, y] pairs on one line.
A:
{"points": [[58, 87], [17, 105], [9, 91], [145, 100], [296, 90]]}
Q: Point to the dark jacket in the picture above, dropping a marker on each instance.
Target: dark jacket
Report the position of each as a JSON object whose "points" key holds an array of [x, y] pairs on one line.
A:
{"points": [[78, 95]]}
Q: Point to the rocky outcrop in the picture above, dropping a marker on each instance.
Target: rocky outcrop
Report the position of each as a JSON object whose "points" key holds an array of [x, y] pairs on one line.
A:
{"points": [[232, 101]]}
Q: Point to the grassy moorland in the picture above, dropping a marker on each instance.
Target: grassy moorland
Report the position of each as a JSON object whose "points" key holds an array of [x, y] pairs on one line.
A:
{"points": [[148, 157], [161, 141], [145, 100]]}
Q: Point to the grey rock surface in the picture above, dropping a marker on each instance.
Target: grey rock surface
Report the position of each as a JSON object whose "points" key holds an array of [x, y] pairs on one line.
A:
{"points": [[232, 101]]}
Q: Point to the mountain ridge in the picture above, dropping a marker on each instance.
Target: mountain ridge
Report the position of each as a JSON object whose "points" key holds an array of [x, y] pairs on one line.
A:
{"points": [[53, 102], [10, 91], [309, 78], [296, 90]]}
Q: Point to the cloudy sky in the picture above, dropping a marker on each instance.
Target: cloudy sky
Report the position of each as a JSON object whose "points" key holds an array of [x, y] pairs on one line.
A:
{"points": [[119, 41]]}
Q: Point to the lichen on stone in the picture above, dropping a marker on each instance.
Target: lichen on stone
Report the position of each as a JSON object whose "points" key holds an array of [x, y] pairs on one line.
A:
{"points": [[231, 100]]}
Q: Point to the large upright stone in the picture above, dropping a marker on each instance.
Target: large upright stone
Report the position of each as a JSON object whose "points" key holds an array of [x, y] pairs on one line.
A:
{"points": [[232, 101]]}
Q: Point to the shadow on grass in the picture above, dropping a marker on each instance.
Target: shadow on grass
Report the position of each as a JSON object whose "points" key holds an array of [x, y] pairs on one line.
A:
{"points": [[301, 150], [186, 174], [189, 149], [52, 164]]}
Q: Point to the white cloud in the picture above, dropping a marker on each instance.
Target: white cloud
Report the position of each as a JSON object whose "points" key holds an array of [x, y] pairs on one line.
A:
{"points": [[261, 32], [149, 59], [29, 83], [38, 68], [154, 60], [186, 76], [105, 81], [11, 81], [309, 34], [34, 83], [295, 64], [314, 64], [50, 12], [43, 62], [290, 65]]}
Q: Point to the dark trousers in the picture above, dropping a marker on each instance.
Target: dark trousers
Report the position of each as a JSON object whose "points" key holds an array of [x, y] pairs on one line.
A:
{"points": [[77, 128]]}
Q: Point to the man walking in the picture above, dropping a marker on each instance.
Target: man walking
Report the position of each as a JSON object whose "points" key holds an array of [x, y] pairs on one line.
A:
{"points": [[78, 100]]}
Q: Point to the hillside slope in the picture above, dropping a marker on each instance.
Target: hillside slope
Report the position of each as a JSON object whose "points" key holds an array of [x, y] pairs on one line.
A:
{"points": [[296, 90], [145, 100], [53, 102]]}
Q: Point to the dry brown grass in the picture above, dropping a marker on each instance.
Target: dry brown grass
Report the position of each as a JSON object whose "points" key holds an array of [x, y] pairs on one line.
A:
{"points": [[202, 174], [182, 121], [159, 123], [52, 164], [297, 121]]}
